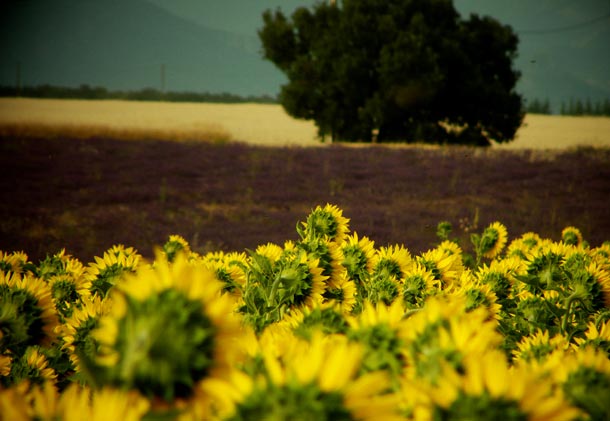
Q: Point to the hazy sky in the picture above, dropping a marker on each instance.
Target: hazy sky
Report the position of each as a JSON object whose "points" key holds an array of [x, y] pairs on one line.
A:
{"points": [[241, 16], [563, 49], [566, 37], [244, 16]]}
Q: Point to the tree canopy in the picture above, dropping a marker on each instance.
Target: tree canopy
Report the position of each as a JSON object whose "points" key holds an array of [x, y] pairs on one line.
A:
{"points": [[396, 70]]}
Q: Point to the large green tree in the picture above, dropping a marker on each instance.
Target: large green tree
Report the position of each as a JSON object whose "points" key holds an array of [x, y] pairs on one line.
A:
{"points": [[396, 70]]}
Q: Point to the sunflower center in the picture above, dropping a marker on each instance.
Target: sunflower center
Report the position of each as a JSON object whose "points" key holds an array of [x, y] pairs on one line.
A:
{"points": [[382, 289], [84, 342], [354, 259], [5, 266], [481, 407], [428, 355], [65, 293], [414, 290], [327, 320], [475, 298], [387, 268], [589, 389], [499, 284], [166, 344], [571, 238], [292, 402], [20, 320], [106, 278], [489, 240], [383, 348]]}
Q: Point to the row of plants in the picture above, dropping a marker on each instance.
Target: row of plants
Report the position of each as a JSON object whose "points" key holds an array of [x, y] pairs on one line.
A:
{"points": [[573, 107], [326, 327], [146, 94]]}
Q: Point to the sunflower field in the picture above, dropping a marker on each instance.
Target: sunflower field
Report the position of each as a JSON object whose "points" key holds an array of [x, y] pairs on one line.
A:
{"points": [[328, 327]]}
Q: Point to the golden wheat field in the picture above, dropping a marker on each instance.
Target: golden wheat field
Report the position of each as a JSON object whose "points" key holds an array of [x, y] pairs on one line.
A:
{"points": [[259, 124]]}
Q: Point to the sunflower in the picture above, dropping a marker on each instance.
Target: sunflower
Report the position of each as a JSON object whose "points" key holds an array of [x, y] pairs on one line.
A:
{"points": [[383, 289], [78, 402], [534, 312], [538, 346], [521, 246], [597, 335], [445, 267], [271, 251], [341, 292], [391, 261], [444, 332], [326, 318], [174, 245], [541, 270], [12, 262], [582, 286], [572, 236], [584, 377], [485, 387], [275, 287], [76, 330], [601, 277], [14, 404], [66, 277], [390, 264], [492, 241], [418, 284], [32, 367], [450, 247], [319, 379], [68, 292], [106, 271], [380, 329], [59, 264], [498, 276], [329, 255], [106, 404], [601, 255], [28, 314], [324, 223], [358, 256], [477, 294], [302, 277], [230, 268], [180, 299], [5, 365]]}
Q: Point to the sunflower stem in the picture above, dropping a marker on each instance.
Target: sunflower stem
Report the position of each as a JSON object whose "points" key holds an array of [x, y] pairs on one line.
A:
{"points": [[273, 292], [575, 297]]}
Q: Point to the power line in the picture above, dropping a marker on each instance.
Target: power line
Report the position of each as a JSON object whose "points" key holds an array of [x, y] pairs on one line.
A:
{"points": [[563, 28]]}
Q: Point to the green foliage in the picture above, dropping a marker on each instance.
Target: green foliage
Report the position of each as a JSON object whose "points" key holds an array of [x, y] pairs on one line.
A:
{"points": [[273, 287], [420, 71]]}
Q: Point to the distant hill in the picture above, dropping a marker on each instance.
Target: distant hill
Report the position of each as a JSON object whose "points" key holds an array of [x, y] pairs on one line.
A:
{"points": [[122, 45]]}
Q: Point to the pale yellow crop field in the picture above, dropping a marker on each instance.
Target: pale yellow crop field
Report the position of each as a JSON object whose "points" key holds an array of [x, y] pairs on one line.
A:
{"points": [[261, 124], [558, 132], [253, 123]]}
